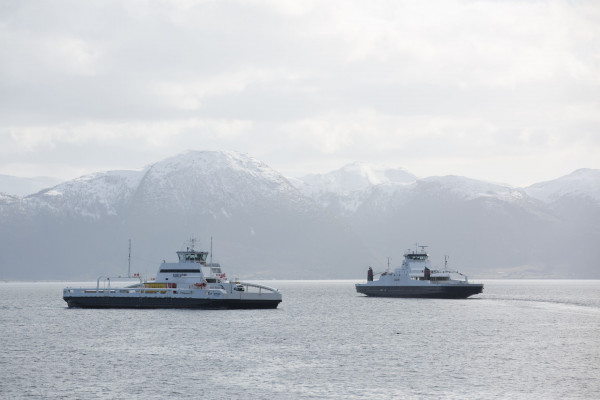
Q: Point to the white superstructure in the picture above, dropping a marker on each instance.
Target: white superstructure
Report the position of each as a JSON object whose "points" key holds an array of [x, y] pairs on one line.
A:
{"points": [[190, 282], [416, 278]]}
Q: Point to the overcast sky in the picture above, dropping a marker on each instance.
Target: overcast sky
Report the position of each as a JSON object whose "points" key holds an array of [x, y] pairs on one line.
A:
{"points": [[505, 91]]}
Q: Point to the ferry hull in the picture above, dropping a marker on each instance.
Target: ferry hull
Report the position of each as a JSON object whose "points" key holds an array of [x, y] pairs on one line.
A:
{"points": [[142, 302], [431, 292]]}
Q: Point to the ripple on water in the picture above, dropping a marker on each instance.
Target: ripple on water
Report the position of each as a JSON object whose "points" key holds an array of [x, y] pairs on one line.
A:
{"points": [[516, 340]]}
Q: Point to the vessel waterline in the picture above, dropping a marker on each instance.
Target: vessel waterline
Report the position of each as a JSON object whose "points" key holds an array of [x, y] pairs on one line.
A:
{"points": [[417, 279], [189, 283]]}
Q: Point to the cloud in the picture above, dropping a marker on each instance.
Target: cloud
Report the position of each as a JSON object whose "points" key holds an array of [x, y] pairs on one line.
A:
{"points": [[303, 85], [125, 135]]}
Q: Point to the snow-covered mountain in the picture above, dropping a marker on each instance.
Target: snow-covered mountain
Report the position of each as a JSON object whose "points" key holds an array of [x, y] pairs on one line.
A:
{"points": [[583, 183], [91, 196], [262, 226], [212, 180], [344, 190], [354, 177], [219, 181], [321, 226], [498, 230]]}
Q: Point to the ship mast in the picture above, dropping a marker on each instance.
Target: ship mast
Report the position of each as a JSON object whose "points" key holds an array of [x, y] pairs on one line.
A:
{"points": [[129, 265]]}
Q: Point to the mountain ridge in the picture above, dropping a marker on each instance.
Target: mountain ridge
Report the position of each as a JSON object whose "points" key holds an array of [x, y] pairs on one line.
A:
{"points": [[263, 224], [276, 227]]}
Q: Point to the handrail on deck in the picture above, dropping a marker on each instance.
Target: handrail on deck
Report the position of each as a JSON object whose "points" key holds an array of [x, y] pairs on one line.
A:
{"points": [[108, 278], [260, 287]]}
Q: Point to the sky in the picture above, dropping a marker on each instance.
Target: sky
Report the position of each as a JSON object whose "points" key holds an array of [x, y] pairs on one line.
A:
{"points": [[502, 91]]}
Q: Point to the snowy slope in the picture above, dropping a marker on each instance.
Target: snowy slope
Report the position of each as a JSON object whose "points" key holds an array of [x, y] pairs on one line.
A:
{"points": [[263, 226], [215, 181], [432, 196], [324, 226], [9, 204], [353, 177], [91, 196], [494, 225], [344, 190], [583, 183], [211, 180], [469, 190]]}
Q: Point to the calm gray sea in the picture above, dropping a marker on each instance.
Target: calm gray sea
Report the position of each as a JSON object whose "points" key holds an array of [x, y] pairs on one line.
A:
{"points": [[518, 340]]}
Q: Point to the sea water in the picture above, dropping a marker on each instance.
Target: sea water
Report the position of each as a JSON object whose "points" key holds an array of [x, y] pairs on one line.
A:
{"points": [[517, 340]]}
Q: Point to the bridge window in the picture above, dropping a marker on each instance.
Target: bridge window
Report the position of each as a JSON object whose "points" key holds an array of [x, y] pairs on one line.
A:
{"points": [[192, 257]]}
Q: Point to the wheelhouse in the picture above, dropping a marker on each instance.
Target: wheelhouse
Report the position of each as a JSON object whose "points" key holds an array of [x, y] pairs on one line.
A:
{"points": [[417, 256], [191, 256]]}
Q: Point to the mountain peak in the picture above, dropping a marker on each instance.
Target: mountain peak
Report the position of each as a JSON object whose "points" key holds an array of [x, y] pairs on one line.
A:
{"points": [[355, 177], [215, 160], [583, 182], [225, 178], [266, 225]]}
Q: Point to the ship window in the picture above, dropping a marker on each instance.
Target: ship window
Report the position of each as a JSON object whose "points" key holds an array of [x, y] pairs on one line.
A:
{"points": [[179, 270], [194, 257]]}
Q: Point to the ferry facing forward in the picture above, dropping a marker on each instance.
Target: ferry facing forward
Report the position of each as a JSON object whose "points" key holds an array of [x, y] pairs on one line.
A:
{"points": [[189, 283], [416, 278]]}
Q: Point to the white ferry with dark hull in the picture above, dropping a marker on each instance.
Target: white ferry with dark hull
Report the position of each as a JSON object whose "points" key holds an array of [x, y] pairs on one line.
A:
{"points": [[417, 279], [189, 283]]}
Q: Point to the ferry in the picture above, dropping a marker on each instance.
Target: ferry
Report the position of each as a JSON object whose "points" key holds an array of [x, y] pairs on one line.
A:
{"points": [[189, 283], [417, 279]]}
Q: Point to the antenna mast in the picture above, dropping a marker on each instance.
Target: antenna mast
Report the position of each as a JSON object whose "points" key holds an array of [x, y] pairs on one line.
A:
{"points": [[129, 266], [211, 251]]}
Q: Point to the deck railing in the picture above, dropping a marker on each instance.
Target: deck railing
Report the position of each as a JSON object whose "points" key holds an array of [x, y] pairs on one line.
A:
{"points": [[251, 288]]}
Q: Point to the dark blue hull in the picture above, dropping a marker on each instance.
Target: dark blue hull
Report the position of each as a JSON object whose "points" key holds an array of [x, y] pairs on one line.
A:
{"points": [[166, 302], [430, 292]]}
